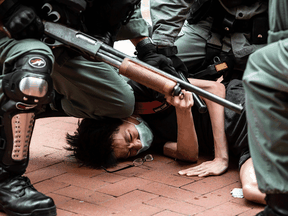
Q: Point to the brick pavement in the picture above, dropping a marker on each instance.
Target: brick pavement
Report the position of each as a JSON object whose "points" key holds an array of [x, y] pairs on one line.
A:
{"points": [[154, 188]]}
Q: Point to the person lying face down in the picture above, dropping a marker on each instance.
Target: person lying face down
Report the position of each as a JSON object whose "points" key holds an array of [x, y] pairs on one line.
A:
{"points": [[180, 132], [102, 142]]}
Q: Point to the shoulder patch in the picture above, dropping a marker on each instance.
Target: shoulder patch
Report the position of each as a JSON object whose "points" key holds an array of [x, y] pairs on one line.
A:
{"points": [[37, 62]]}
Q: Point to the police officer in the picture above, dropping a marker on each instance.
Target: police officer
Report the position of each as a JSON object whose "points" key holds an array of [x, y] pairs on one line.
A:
{"points": [[213, 31], [36, 78], [266, 86], [215, 38]]}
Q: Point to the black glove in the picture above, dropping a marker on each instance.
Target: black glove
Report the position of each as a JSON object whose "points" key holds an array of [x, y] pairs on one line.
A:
{"points": [[22, 22], [146, 52], [171, 52]]}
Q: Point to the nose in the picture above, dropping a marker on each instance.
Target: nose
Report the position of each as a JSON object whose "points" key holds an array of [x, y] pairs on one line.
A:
{"points": [[136, 146]]}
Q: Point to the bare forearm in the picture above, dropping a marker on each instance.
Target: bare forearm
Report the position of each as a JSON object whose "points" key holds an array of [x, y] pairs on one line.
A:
{"points": [[216, 113], [187, 142]]}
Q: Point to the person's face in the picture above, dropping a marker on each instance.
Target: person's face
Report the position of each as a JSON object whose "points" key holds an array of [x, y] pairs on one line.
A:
{"points": [[126, 143]]}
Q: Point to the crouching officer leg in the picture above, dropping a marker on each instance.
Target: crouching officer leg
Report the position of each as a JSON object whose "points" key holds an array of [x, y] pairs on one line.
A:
{"points": [[26, 88]]}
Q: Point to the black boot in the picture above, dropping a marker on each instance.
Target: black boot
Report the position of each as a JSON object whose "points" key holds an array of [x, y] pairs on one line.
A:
{"points": [[19, 198], [277, 205]]}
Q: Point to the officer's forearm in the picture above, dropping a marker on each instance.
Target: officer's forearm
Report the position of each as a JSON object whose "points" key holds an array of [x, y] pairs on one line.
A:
{"points": [[1, 1]]}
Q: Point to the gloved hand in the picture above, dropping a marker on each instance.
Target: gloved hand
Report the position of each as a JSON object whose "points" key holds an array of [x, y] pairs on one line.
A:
{"points": [[171, 52], [148, 54], [22, 22]]}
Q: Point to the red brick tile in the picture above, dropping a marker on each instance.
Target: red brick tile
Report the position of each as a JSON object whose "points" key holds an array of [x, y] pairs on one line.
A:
{"points": [[85, 208], [110, 177], [84, 195], [74, 192], [168, 213], [169, 192], [252, 212], [123, 186], [209, 184], [42, 161], [175, 206], [48, 186], [166, 178], [215, 198], [140, 210], [61, 212], [80, 181], [98, 198], [72, 167], [43, 174], [58, 199], [129, 200], [227, 209]]}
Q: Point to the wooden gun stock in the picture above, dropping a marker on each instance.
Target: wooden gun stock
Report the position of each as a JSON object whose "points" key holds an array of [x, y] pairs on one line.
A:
{"points": [[147, 77]]}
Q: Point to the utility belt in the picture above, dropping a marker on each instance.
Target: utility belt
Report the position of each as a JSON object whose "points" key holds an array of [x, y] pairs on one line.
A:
{"points": [[150, 107]]}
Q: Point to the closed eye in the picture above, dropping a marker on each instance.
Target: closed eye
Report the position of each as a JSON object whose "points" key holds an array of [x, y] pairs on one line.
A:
{"points": [[130, 137]]}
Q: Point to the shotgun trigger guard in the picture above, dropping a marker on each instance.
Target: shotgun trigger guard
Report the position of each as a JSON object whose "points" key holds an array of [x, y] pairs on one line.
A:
{"points": [[176, 90], [51, 42]]}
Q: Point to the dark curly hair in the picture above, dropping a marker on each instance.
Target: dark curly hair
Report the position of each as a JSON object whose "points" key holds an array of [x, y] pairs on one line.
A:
{"points": [[91, 143]]}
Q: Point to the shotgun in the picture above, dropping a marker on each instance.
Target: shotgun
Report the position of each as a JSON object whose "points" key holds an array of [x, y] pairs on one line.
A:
{"points": [[128, 66]]}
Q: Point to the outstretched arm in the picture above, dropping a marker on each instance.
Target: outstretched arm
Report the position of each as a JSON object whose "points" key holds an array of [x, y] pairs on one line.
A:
{"points": [[220, 163], [186, 147]]}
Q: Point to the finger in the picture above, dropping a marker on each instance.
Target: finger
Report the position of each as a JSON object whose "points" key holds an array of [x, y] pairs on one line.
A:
{"points": [[194, 173], [184, 172], [181, 96], [204, 174]]}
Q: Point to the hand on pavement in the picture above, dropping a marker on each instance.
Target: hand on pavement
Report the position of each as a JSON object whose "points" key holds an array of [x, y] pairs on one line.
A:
{"points": [[216, 167]]}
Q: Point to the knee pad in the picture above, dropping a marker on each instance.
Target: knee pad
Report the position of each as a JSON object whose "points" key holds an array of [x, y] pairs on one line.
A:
{"points": [[29, 83], [27, 88]]}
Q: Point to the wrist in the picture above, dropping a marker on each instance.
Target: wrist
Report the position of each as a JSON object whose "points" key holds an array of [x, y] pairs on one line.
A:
{"points": [[167, 50], [144, 47], [183, 112], [224, 159], [142, 43]]}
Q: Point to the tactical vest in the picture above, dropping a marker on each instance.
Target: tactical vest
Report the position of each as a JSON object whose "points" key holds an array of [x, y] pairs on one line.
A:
{"points": [[223, 24]]}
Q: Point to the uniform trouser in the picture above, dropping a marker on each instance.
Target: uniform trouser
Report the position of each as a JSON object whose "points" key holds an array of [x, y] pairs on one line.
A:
{"points": [[90, 89], [191, 43], [266, 87]]}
